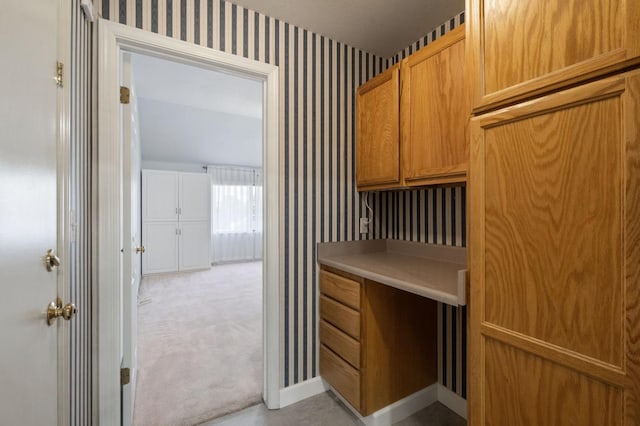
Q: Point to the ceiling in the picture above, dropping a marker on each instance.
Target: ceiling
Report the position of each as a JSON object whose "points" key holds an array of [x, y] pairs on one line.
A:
{"points": [[189, 114], [381, 27]]}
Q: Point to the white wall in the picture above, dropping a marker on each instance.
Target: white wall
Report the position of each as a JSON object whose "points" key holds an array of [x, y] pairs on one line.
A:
{"points": [[174, 166]]}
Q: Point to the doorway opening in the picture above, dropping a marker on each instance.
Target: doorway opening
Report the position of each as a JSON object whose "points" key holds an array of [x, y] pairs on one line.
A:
{"points": [[193, 331], [114, 172]]}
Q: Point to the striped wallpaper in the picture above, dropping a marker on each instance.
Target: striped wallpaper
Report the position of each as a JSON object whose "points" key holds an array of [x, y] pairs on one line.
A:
{"points": [[80, 248], [318, 79]]}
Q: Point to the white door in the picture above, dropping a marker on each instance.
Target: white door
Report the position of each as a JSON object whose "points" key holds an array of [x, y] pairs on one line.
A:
{"points": [[159, 195], [195, 245], [28, 196], [132, 251], [195, 196], [160, 240]]}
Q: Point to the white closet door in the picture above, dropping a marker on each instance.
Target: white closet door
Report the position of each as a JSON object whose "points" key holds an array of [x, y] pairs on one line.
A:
{"points": [[195, 197], [159, 195], [160, 240], [195, 245]]}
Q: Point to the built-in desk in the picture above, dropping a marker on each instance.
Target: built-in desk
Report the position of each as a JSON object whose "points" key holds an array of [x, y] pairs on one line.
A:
{"points": [[378, 316], [434, 271]]}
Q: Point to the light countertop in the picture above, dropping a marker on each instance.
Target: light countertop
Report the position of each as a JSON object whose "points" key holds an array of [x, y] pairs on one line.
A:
{"points": [[434, 271]]}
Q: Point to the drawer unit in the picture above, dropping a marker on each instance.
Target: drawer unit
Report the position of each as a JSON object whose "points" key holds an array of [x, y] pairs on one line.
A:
{"points": [[377, 343], [340, 288], [347, 347], [341, 316]]}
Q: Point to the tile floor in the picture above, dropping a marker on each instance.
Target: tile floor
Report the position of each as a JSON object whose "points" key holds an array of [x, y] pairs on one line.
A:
{"points": [[327, 410]]}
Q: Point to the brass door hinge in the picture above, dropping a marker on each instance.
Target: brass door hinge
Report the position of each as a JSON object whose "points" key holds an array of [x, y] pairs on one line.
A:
{"points": [[124, 95], [59, 73], [125, 376]]}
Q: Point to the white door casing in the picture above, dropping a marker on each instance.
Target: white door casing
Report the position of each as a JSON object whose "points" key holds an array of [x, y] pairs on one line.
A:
{"points": [[32, 371], [131, 222], [114, 38]]}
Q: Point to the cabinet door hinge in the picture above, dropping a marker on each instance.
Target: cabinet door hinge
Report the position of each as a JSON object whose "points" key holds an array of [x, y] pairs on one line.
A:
{"points": [[124, 95], [59, 73], [125, 376]]}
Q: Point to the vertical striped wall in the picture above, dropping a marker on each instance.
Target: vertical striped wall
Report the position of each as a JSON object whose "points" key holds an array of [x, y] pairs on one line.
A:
{"points": [[80, 80], [435, 216], [318, 79]]}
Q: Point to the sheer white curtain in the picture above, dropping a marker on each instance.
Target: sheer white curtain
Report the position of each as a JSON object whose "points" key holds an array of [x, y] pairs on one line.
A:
{"points": [[236, 213]]}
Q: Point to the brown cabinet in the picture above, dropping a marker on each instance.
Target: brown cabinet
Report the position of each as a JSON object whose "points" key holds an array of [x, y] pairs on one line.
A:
{"points": [[389, 354], [434, 112], [555, 258], [418, 138], [378, 137], [521, 49]]}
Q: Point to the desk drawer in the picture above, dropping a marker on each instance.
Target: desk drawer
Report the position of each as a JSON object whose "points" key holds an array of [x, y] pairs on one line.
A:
{"points": [[340, 343], [341, 316], [340, 288], [343, 377]]}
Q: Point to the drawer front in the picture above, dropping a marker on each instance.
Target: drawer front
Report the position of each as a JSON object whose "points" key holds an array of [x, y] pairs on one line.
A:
{"points": [[342, 289], [343, 345], [341, 316], [344, 378]]}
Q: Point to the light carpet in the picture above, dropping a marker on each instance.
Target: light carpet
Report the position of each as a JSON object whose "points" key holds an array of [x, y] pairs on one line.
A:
{"points": [[200, 345]]}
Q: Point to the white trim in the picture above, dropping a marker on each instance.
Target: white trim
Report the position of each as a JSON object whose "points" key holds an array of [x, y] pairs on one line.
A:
{"points": [[452, 401], [63, 155], [388, 415], [397, 411], [302, 391], [114, 38]]}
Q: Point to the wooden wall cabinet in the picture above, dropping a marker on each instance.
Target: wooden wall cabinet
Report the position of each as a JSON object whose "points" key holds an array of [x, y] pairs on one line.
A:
{"points": [[434, 112], [522, 49], [412, 120], [378, 343], [555, 258], [378, 137]]}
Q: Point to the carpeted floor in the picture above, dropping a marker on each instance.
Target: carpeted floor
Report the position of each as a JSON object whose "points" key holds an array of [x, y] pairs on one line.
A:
{"points": [[200, 345]]}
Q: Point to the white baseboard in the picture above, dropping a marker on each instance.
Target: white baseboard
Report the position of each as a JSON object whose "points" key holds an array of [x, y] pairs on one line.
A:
{"points": [[397, 411], [301, 391], [388, 415], [452, 401]]}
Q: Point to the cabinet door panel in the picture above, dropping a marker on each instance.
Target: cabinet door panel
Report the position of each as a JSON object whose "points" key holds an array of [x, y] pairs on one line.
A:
{"points": [[160, 240], [435, 111], [195, 245], [159, 195], [195, 196], [378, 137], [525, 48], [555, 263]]}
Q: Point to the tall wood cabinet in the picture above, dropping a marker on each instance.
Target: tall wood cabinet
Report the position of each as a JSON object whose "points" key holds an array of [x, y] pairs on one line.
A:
{"points": [[176, 221], [523, 49], [555, 216], [412, 120]]}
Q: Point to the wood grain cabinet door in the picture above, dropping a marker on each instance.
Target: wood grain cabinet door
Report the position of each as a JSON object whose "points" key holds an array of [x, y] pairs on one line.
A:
{"points": [[434, 112], [520, 49], [555, 259], [378, 134]]}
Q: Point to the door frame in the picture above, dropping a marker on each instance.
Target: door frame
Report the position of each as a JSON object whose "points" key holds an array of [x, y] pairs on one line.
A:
{"points": [[113, 39]]}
